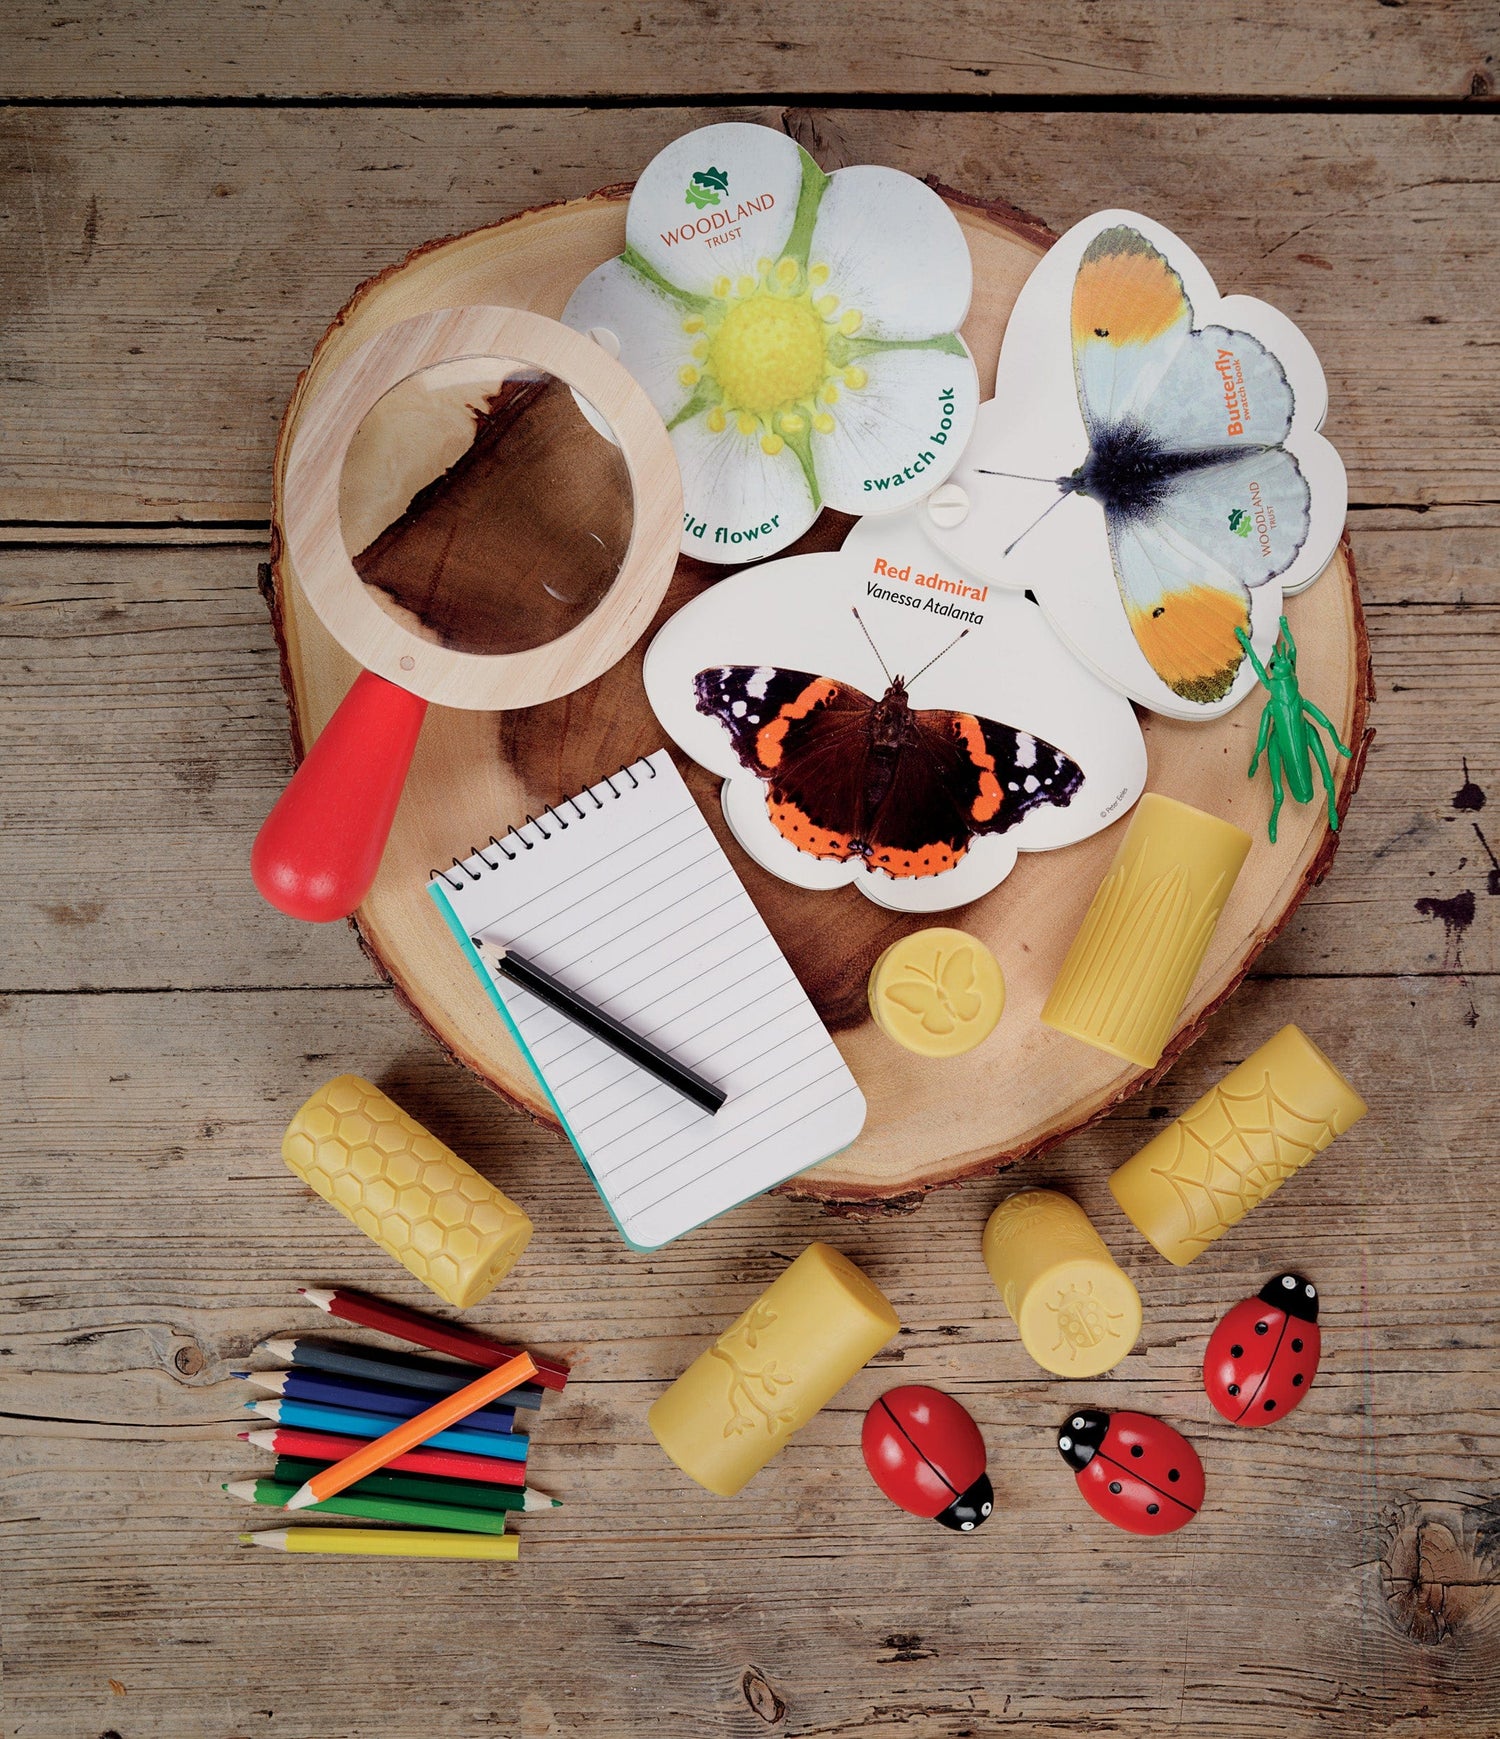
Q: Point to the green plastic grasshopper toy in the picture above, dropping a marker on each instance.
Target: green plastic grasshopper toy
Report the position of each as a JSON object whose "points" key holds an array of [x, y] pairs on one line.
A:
{"points": [[1287, 739]]}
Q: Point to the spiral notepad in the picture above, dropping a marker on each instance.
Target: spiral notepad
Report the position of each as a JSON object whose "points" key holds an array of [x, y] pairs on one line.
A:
{"points": [[624, 895]]}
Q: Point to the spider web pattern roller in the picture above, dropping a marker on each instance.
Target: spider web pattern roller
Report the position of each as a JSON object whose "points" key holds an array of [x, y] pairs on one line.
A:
{"points": [[1242, 1140]]}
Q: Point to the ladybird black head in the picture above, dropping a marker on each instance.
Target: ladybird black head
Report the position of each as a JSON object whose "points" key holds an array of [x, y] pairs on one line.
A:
{"points": [[1291, 1293], [1080, 1436], [971, 1509]]}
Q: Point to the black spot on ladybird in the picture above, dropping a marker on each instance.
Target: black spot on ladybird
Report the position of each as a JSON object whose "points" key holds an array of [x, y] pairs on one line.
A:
{"points": [[1234, 1388], [1296, 1346], [1137, 1450], [1297, 1381], [1261, 1327], [1173, 1474], [1115, 1487], [1270, 1406], [1236, 1352], [1153, 1509]]}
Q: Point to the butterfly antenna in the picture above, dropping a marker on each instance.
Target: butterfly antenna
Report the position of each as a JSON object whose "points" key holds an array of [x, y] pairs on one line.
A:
{"points": [[1032, 527], [873, 647], [943, 654], [1015, 476]]}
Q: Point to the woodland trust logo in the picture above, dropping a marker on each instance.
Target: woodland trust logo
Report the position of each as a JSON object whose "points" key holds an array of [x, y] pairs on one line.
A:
{"points": [[705, 187], [1239, 522]]}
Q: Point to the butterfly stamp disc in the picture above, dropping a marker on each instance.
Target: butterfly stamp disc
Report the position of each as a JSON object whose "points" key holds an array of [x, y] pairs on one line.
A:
{"points": [[1150, 466], [879, 720]]}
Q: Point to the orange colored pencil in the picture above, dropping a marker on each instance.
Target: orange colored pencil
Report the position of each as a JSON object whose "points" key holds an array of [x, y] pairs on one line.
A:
{"points": [[410, 1432]]}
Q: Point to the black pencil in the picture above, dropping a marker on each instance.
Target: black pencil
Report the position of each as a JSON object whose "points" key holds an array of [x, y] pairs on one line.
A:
{"points": [[545, 988]]}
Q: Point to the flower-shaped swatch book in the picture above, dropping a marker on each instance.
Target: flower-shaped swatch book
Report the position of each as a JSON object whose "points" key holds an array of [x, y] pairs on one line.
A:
{"points": [[797, 331]]}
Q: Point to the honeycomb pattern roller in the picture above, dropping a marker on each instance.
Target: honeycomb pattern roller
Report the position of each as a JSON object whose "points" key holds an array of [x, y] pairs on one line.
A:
{"points": [[402, 1187]]}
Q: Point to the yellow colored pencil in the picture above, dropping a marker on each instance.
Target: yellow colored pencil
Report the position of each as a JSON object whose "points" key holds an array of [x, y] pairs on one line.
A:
{"points": [[410, 1432], [386, 1543]]}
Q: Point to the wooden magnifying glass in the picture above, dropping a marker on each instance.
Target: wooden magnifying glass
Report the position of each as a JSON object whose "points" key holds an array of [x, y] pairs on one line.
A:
{"points": [[527, 568]]}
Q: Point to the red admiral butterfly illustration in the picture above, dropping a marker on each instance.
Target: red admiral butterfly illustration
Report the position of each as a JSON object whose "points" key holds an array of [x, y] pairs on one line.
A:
{"points": [[906, 790]]}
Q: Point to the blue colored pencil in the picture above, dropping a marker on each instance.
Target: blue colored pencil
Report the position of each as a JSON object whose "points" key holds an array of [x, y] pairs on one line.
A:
{"points": [[377, 1365], [308, 1416], [333, 1391]]}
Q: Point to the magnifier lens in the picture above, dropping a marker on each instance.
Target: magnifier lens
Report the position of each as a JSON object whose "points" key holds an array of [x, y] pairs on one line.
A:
{"points": [[482, 508]]}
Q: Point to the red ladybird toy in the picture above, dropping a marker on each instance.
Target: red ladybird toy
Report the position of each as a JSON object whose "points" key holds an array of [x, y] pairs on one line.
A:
{"points": [[1135, 1471], [1262, 1358], [925, 1453]]}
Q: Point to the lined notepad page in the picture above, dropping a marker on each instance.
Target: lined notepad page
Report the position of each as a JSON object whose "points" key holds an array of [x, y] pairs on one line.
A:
{"points": [[625, 896]]}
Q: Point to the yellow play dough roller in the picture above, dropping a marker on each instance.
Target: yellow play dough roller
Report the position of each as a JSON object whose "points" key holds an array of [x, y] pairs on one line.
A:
{"points": [[1241, 1141], [1147, 930], [1077, 1310], [402, 1187], [791, 1352], [938, 992]]}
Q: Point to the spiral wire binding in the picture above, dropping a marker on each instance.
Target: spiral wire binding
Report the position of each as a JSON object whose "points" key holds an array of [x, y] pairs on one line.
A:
{"points": [[579, 814]]}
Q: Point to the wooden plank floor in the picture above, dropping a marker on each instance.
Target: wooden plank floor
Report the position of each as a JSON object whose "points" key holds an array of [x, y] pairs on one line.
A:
{"points": [[187, 192]]}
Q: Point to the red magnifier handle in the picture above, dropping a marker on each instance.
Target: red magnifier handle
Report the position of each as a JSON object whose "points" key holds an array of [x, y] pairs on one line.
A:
{"points": [[318, 850]]}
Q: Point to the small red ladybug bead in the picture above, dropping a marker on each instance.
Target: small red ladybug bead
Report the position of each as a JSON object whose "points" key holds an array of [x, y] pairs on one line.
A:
{"points": [[925, 1453], [1133, 1470], [1262, 1358]]}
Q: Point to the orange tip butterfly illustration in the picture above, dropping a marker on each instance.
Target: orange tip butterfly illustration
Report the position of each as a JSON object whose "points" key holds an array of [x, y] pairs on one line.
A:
{"points": [[1150, 467]]}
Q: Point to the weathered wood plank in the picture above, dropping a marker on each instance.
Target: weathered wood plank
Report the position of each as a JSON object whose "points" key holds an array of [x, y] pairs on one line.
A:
{"points": [[675, 47], [166, 271], [152, 1238], [146, 739]]}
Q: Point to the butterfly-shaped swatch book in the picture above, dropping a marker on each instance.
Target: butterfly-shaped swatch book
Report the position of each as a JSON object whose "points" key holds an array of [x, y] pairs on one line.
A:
{"points": [[1150, 466], [878, 722]]}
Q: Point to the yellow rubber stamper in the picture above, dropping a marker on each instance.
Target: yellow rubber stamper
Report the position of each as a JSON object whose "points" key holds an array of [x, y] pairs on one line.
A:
{"points": [[938, 992], [1242, 1140], [739, 1402], [1143, 939], [402, 1187], [1077, 1310]]}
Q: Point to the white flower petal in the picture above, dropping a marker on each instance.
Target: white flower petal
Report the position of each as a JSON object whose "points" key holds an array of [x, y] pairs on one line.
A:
{"points": [[897, 421], [648, 324], [692, 245], [894, 251], [731, 487]]}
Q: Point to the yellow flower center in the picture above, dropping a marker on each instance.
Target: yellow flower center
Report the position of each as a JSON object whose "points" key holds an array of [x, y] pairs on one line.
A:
{"points": [[768, 353], [771, 353]]}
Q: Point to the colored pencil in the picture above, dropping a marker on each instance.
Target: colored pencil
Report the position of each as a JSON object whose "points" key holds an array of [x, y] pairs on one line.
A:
{"points": [[377, 1509], [331, 1391], [325, 1446], [348, 1423], [429, 1426], [292, 1470], [386, 1543], [421, 1330], [405, 1370]]}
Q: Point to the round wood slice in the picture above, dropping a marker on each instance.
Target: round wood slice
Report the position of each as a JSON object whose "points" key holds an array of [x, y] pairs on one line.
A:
{"points": [[930, 1121]]}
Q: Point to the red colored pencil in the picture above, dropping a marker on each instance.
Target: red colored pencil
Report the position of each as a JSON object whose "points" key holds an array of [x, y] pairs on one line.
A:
{"points": [[422, 1330], [330, 1446]]}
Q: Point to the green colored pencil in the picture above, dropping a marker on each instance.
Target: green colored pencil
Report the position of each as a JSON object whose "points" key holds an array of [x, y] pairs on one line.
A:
{"points": [[422, 1488], [377, 1509]]}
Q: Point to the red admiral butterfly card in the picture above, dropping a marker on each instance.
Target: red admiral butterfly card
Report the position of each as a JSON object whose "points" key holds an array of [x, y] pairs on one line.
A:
{"points": [[881, 719]]}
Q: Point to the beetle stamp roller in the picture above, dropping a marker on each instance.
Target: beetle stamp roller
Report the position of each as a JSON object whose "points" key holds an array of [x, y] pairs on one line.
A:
{"points": [[1261, 1359], [1077, 1310], [1132, 1469], [925, 1453]]}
